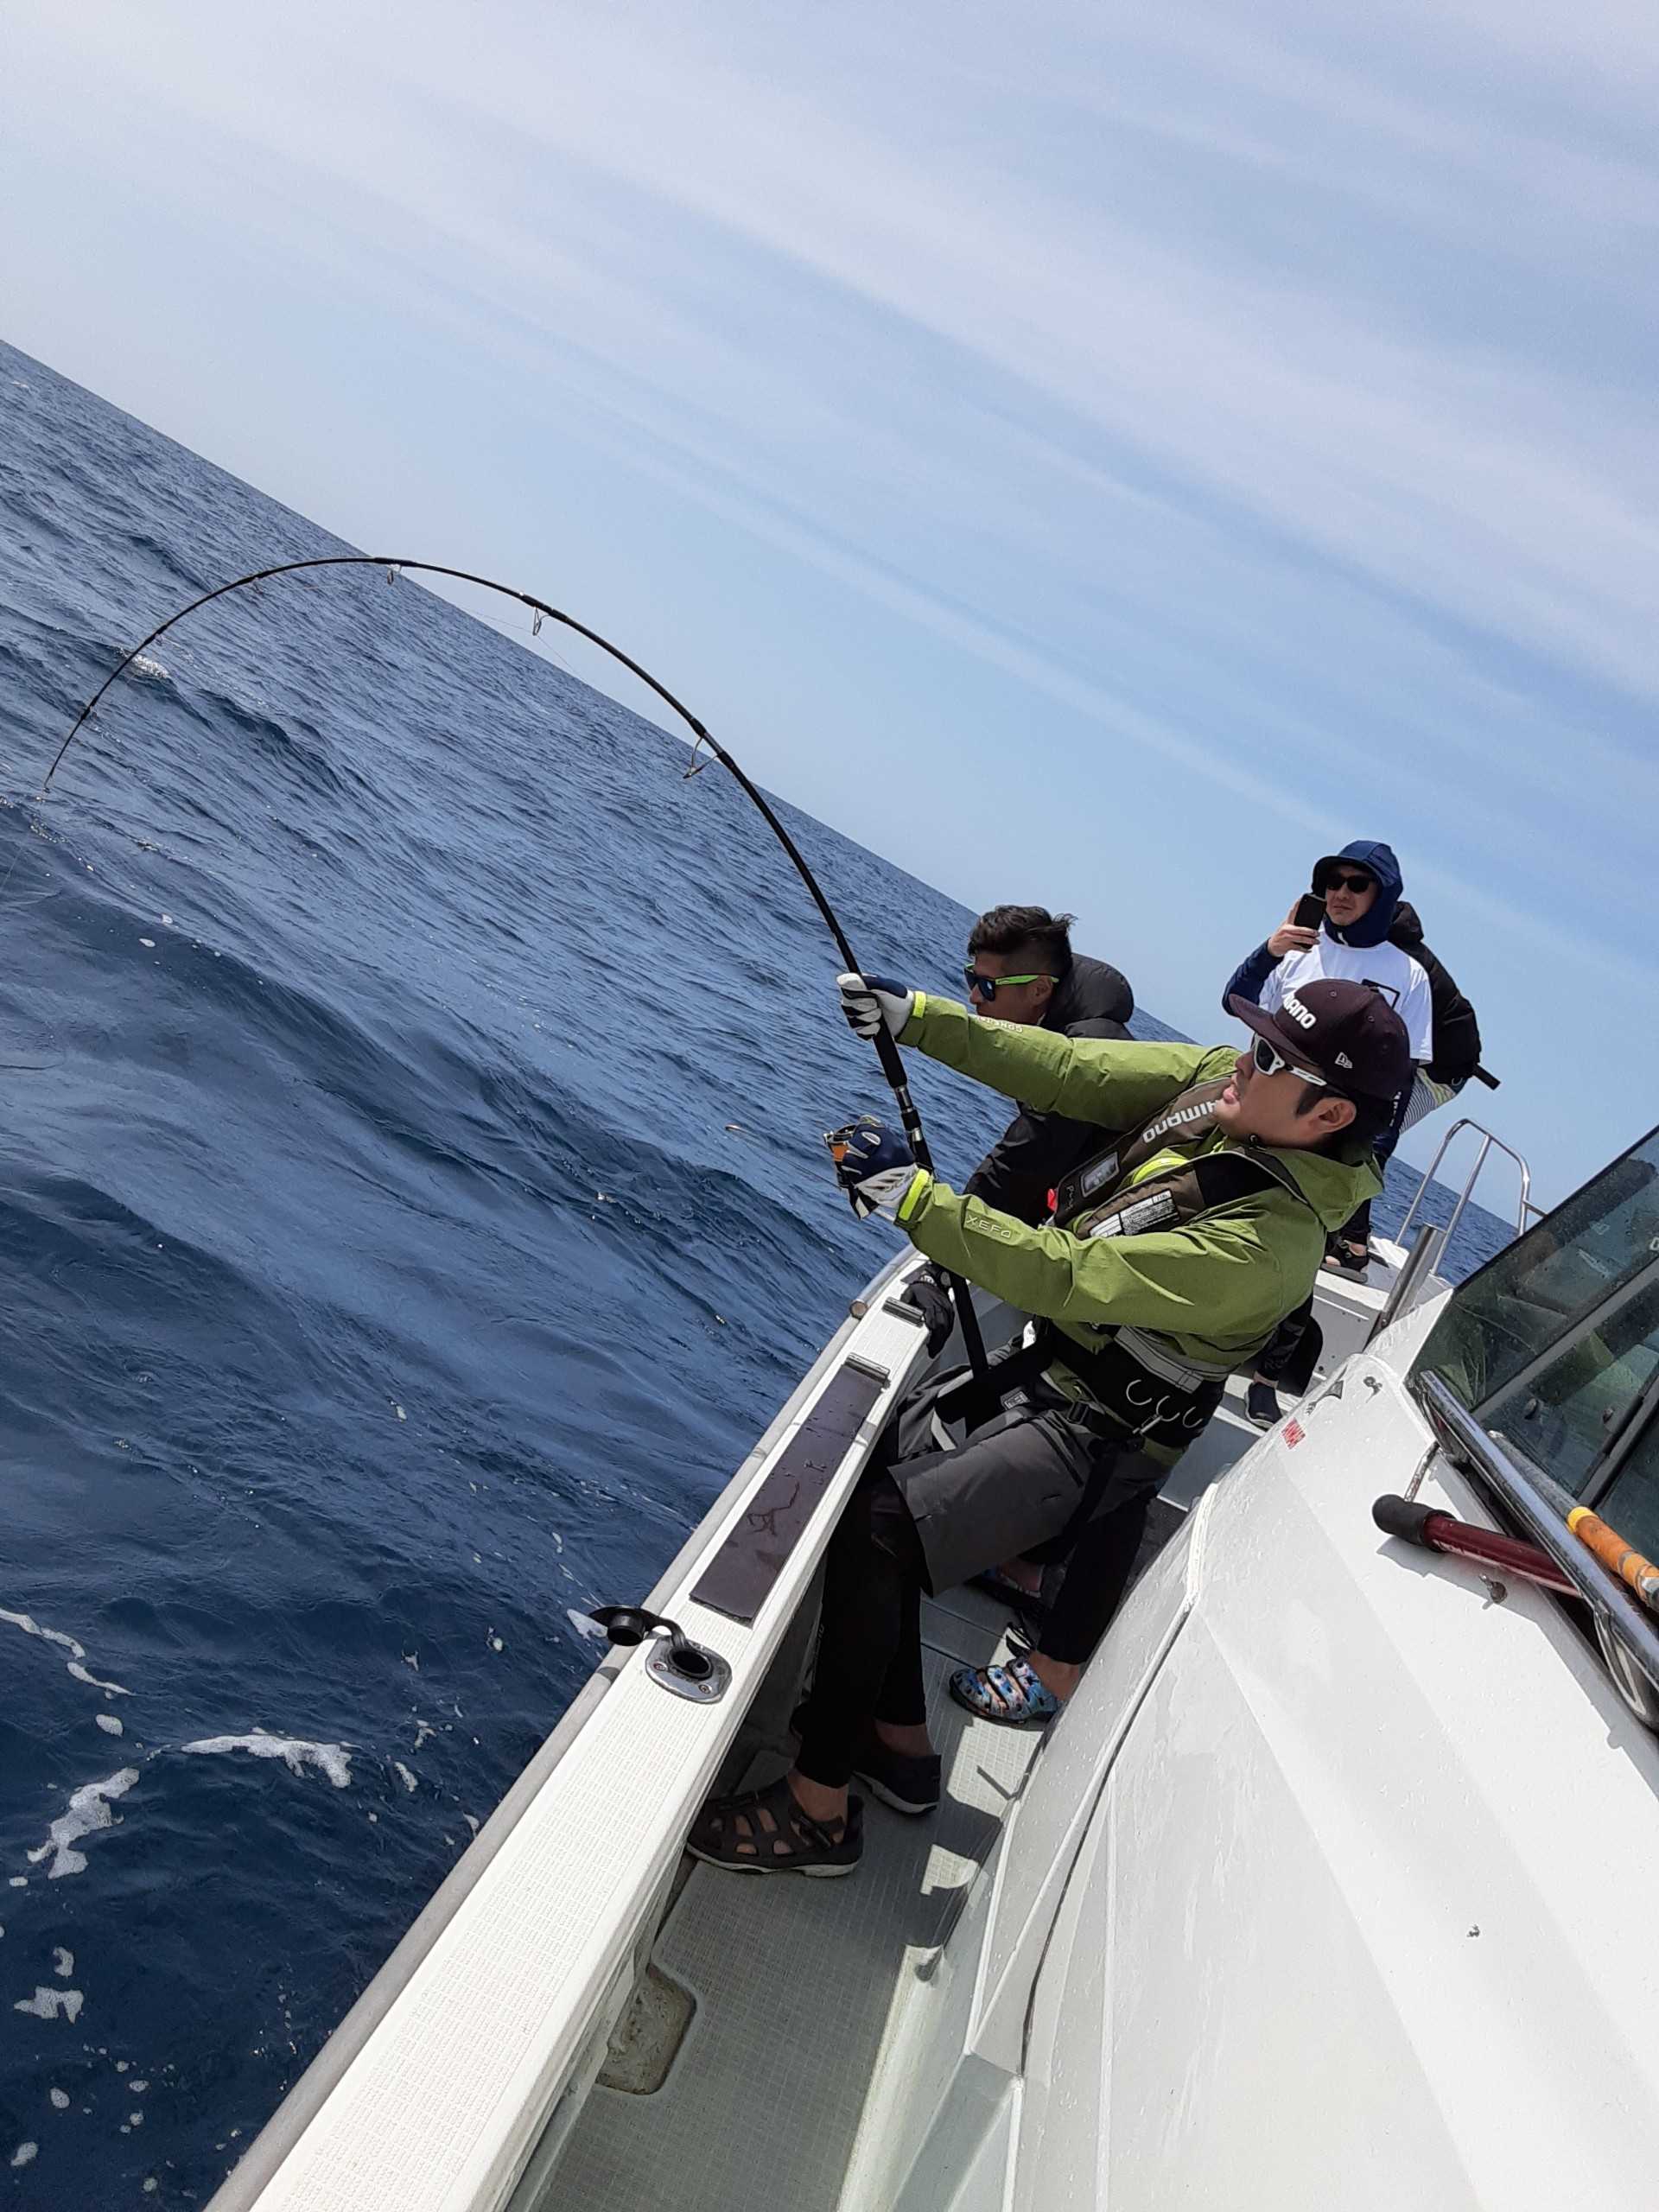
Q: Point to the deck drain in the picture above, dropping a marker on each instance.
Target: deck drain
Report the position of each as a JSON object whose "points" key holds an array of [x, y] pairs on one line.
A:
{"points": [[648, 2036]]}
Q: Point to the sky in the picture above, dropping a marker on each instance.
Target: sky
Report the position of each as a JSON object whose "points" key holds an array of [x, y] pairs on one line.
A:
{"points": [[1104, 457]]}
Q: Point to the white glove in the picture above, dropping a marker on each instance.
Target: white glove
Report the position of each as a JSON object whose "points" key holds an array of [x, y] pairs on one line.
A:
{"points": [[871, 1004]]}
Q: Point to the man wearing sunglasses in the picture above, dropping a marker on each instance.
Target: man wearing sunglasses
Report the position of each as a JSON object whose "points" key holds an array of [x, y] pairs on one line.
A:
{"points": [[1359, 890], [1171, 1257], [1020, 968]]}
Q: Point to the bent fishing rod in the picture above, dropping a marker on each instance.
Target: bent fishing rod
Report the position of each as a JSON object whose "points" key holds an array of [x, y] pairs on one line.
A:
{"points": [[886, 1050]]}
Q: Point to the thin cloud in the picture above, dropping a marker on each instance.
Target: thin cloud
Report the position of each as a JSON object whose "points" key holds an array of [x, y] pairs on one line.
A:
{"points": [[1273, 405]]}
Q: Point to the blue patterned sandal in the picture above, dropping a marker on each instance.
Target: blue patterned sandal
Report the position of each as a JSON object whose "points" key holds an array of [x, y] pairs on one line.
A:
{"points": [[1012, 1696]]}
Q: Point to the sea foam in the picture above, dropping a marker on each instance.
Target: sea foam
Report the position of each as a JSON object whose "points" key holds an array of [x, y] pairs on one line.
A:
{"points": [[295, 1751], [88, 1811]]}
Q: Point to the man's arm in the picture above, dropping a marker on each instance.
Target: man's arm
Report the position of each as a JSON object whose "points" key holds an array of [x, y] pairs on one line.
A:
{"points": [[1417, 1012], [1086, 1078], [1036, 1151], [1217, 1278], [1251, 979], [1247, 979]]}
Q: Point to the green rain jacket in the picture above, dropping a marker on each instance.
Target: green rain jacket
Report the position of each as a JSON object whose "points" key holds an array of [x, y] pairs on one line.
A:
{"points": [[1216, 1288]]}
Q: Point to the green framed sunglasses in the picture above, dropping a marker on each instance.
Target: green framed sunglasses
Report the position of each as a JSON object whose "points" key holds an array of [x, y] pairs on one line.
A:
{"points": [[986, 985]]}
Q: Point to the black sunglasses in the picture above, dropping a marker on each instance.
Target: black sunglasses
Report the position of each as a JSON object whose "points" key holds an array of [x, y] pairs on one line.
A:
{"points": [[1343, 878]]}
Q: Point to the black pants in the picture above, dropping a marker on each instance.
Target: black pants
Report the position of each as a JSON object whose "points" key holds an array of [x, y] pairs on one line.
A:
{"points": [[1356, 1229], [1291, 1352], [1077, 1489]]}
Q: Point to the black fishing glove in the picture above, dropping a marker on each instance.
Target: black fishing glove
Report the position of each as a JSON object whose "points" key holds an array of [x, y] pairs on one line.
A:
{"points": [[933, 1301]]}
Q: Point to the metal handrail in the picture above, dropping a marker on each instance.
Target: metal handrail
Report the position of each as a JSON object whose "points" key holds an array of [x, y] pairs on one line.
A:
{"points": [[1617, 1613], [1488, 1139], [1431, 1238]]}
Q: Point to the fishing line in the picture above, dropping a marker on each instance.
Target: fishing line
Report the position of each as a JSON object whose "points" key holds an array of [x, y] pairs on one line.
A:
{"points": [[886, 1049], [32, 830]]}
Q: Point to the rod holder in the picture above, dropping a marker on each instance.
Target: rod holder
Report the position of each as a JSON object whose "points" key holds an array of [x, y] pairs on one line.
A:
{"points": [[689, 1669]]}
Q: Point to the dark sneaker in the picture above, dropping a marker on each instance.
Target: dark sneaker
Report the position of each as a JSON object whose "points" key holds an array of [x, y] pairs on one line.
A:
{"points": [[1261, 1406], [909, 1783]]}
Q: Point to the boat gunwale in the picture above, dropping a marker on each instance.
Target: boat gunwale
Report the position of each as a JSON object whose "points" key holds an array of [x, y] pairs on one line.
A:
{"points": [[243, 2187]]}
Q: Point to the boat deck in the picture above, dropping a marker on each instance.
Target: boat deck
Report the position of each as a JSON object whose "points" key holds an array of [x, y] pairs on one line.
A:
{"points": [[801, 1989], [810, 2001]]}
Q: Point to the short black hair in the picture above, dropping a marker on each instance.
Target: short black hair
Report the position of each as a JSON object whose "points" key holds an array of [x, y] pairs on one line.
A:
{"points": [[1371, 1116], [1005, 928]]}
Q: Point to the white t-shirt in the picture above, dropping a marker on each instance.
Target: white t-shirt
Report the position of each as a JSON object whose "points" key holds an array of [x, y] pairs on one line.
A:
{"points": [[1402, 980]]}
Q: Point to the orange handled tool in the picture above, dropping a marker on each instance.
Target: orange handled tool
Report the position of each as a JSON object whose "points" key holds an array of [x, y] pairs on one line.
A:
{"points": [[1618, 1557]]}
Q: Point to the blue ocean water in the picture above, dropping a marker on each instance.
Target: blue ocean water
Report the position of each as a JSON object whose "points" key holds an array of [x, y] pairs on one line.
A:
{"points": [[412, 1207]]}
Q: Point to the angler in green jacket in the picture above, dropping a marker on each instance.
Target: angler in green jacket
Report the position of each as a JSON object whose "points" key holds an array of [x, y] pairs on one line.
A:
{"points": [[1171, 1257]]}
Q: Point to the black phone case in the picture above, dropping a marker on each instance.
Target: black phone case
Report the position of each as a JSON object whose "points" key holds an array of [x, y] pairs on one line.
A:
{"points": [[1309, 912]]}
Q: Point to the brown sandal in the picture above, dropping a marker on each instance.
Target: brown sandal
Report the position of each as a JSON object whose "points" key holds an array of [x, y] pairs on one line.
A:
{"points": [[769, 1831]]}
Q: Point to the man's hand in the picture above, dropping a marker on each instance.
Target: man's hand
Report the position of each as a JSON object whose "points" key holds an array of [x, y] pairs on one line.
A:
{"points": [[933, 1301], [871, 1004], [1291, 937], [873, 1166]]}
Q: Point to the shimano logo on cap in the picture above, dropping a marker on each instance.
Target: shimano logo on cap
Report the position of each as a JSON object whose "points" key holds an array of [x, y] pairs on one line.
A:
{"points": [[1298, 1013]]}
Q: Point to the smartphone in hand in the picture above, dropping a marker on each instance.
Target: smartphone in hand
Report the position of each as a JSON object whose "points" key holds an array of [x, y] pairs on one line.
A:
{"points": [[1309, 912]]}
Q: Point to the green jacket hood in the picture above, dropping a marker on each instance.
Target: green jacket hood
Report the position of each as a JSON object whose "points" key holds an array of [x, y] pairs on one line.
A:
{"points": [[1334, 1184]]}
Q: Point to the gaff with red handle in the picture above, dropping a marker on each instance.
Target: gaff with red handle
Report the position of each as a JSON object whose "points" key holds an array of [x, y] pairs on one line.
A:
{"points": [[1443, 1532]]}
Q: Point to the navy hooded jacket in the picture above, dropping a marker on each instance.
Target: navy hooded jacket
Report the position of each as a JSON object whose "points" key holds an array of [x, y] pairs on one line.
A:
{"points": [[1378, 859], [1372, 927]]}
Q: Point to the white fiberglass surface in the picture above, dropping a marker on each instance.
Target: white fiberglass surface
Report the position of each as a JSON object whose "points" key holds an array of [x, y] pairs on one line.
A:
{"points": [[1351, 1925]]}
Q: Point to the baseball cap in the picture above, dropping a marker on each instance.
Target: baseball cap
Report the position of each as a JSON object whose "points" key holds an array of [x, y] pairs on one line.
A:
{"points": [[1347, 1031]]}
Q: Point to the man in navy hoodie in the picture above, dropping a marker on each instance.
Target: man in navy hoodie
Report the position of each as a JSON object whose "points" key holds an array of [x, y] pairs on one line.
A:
{"points": [[1360, 889]]}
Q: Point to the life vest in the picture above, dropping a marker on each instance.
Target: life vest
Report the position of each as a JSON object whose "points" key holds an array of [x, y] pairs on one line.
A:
{"points": [[1155, 1179]]}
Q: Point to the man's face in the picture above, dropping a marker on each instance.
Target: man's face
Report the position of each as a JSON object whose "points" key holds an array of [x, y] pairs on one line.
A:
{"points": [[1022, 1002], [1350, 893], [1265, 1107]]}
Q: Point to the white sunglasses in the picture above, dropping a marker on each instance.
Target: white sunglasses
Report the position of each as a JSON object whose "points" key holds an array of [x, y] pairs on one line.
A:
{"points": [[1269, 1062]]}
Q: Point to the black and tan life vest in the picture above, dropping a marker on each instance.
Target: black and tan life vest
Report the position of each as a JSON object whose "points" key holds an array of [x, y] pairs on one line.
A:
{"points": [[1101, 1198], [1138, 1377]]}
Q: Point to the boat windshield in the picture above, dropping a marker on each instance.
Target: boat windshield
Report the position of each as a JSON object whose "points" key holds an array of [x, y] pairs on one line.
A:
{"points": [[1553, 1345]]}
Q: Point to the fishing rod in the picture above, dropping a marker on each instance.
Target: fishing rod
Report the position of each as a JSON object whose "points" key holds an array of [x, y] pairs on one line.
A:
{"points": [[886, 1050]]}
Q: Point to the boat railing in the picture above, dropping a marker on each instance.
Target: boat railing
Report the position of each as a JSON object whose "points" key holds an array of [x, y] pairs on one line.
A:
{"points": [[1407, 1286], [1627, 1632], [1488, 1143]]}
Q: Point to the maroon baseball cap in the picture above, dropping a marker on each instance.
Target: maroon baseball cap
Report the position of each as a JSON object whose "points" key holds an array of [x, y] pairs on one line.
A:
{"points": [[1347, 1032]]}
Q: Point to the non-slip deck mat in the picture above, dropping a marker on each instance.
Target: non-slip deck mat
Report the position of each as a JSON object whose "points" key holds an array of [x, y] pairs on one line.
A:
{"points": [[798, 1985]]}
